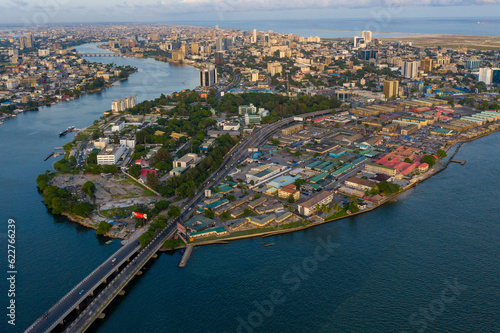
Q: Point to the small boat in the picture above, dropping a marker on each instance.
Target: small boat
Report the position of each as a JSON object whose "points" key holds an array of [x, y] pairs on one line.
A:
{"points": [[109, 242], [270, 244]]}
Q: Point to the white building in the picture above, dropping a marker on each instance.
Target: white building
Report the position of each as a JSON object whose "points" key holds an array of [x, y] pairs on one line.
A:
{"points": [[43, 53], [307, 208], [101, 143], [128, 142], [367, 35], [486, 75], [359, 42], [118, 126], [12, 84], [110, 155], [409, 69], [231, 127], [122, 104], [188, 160]]}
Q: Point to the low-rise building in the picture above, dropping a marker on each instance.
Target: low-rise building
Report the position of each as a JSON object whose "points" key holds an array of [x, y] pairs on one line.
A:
{"points": [[110, 155], [307, 208]]}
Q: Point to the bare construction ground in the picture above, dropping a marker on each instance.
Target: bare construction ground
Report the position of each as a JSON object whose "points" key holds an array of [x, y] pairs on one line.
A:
{"points": [[452, 41]]}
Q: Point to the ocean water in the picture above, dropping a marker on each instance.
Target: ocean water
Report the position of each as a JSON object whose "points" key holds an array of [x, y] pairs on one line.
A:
{"points": [[382, 25]]}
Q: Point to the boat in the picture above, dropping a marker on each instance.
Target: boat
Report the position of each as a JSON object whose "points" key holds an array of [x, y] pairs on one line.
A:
{"points": [[270, 244], [109, 242], [68, 130], [46, 158]]}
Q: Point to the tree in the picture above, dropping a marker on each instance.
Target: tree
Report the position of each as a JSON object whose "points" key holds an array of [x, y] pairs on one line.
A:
{"points": [[209, 213], [407, 160], [291, 198], [89, 189], [174, 211], [103, 228], [429, 160], [441, 153], [231, 197], [298, 183], [153, 181], [135, 170], [62, 166]]}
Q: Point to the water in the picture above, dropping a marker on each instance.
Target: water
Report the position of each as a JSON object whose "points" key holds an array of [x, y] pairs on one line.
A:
{"points": [[53, 254], [379, 24], [388, 264]]}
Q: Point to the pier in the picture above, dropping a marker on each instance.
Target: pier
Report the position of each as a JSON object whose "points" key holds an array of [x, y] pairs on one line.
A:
{"points": [[185, 257], [462, 162]]}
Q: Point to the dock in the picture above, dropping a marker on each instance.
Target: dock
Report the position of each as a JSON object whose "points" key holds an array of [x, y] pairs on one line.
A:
{"points": [[185, 257], [46, 158], [462, 162]]}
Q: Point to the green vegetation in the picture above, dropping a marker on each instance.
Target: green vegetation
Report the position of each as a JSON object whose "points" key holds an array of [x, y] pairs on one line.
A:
{"points": [[175, 211], [154, 228], [429, 160], [296, 224], [173, 243], [59, 200], [187, 184], [388, 188], [441, 153], [89, 189], [135, 170], [103, 228]]}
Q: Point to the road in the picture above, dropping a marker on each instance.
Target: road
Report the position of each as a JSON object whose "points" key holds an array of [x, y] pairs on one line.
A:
{"points": [[66, 304], [62, 308]]}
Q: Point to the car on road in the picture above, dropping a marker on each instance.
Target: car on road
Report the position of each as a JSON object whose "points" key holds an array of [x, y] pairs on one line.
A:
{"points": [[91, 313], [81, 291], [113, 260]]}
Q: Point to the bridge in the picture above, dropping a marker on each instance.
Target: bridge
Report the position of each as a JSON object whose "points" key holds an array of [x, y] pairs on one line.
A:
{"points": [[85, 303], [98, 54]]}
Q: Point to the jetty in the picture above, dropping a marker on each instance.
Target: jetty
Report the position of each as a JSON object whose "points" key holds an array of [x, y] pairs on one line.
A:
{"points": [[46, 158], [462, 162], [185, 257]]}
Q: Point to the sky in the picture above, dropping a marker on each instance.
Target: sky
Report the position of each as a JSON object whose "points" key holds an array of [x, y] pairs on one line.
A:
{"points": [[93, 11]]}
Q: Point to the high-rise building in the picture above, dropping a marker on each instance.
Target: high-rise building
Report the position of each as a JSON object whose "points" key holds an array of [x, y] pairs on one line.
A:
{"points": [[195, 48], [472, 63], [254, 36], [486, 75], [208, 76], [359, 41], [391, 88], [368, 54], [219, 58], [367, 35], [219, 44], [409, 69], [495, 76], [426, 64]]}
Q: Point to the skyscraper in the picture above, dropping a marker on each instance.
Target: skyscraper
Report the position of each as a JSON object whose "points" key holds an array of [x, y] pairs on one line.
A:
{"points": [[426, 64], [219, 44], [485, 75], [208, 76], [391, 88], [254, 36], [367, 35], [409, 69]]}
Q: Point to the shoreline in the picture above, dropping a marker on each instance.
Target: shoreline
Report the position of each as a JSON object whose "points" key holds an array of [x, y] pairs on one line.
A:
{"points": [[383, 202], [83, 221]]}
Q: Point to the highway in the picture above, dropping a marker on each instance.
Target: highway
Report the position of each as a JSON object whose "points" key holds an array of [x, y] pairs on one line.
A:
{"points": [[66, 304], [80, 292]]}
